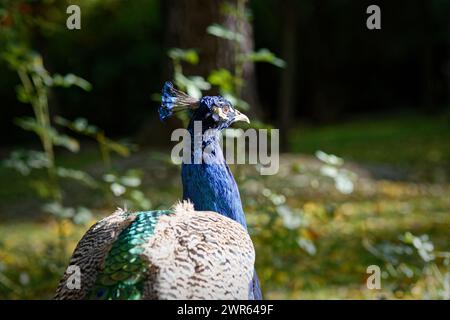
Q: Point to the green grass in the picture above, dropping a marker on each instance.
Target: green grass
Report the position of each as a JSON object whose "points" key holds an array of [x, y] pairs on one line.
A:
{"points": [[31, 261], [403, 141], [336, 271]]}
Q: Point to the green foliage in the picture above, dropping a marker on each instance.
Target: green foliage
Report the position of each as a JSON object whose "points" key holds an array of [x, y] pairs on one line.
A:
{"points": [[34, 89], [193, 85], [264, 55], [223, 79], [57, 139], [310, 239], [24, 161], [225, 33], [177, 55], [70, 80], [413, 264], [77, 175], [106, 145], [80, 215], [407, 142], [126, 187], [315, 227], [229, 82], [344, 179]]}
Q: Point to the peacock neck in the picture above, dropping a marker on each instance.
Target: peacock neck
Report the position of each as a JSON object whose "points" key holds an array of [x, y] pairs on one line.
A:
{"points": [[209, 184]]}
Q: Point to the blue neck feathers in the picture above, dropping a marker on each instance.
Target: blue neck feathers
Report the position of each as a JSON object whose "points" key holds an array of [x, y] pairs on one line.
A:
{"points": [[210, 185]]}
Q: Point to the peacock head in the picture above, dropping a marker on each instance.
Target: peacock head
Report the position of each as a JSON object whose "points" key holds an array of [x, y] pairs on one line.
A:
{"points": [[214, 112]]}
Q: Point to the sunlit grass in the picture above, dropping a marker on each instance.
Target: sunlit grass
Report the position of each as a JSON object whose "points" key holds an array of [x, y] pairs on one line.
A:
{"points": [[31, 265], [31, 261], [400, 140], [338, 269]]}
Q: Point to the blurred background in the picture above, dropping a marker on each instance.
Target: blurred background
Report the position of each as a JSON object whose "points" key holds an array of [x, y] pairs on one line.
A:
{"points": [[363, 116]]}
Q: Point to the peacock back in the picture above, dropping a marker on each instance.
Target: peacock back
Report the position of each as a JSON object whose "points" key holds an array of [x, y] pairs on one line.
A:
{"points": [[162, 254]]}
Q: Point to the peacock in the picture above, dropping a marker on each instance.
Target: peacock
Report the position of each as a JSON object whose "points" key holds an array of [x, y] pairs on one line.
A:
{"points": [[198, 249]]}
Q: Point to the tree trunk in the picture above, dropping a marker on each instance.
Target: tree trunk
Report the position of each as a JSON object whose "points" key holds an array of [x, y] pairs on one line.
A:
{"points": [[187, 21]]}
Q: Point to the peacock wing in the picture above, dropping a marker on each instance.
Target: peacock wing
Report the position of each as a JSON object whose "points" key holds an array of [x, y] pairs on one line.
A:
{"points": [[164, 254], [90, 253], [124, 270], [198, 255]]}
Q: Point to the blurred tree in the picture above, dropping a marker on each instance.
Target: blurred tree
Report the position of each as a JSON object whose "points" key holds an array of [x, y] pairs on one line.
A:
{"points": [[323, 105], [428, 101], [186, 26], [287, 84]]}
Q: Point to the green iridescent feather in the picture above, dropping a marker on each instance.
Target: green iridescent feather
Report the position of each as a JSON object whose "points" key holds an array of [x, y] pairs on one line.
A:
{"points": [[124, 270]]}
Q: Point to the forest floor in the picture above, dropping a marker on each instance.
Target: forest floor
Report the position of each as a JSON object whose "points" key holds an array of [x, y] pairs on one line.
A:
{"points": [[399, 178]]}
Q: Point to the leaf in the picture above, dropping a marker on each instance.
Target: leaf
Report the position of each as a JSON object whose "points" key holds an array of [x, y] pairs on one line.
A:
{"points": [[194, 84], [79, 125], [22, 94], [307, 245], [117, 147], [225, 33], [330, 159], [188, 55], [82, 126], [343, 184], [109, 177], [30, 124], [222, 78], [264, 55], [200, 82], [290, 220], [65, 141], [131, 181], [56, 209], [43, 188], [25, 160], [139, 200], [193, 91], [77, 175], [239, 103], [82, 216], [329, 171], [71, 80], [117, 189]]}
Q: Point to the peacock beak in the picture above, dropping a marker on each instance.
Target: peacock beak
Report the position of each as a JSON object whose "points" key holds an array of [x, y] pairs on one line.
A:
{"points": [[240, 117]]}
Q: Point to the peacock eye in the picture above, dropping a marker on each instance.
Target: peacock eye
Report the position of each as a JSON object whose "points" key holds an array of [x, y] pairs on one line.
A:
{"points": [[226, 109]]}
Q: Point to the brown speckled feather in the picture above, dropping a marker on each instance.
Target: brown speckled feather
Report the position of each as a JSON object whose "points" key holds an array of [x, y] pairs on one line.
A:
{"points": [[191, 255], [199, 255], [91, 251]]}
